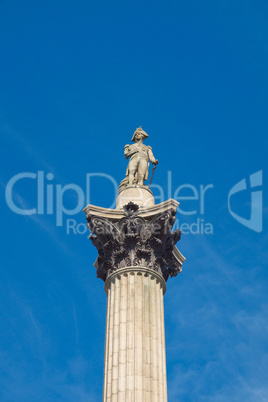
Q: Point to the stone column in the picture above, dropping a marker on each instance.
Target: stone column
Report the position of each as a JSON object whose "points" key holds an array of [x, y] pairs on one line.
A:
{"points": [[135, 357], [136, 256]]}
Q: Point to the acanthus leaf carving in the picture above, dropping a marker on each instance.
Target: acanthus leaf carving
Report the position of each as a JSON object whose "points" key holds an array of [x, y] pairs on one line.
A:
{"points": [[134, 241]]}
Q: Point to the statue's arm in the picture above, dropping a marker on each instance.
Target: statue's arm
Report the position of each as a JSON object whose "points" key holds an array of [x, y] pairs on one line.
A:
{"points": [[151, 156], [127, 151]]}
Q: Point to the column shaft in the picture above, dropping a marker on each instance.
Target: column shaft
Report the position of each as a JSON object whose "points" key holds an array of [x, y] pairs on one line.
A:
{"points": [[135, 361]]}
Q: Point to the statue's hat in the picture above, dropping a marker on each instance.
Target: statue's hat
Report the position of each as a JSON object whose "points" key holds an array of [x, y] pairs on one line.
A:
{"points": [[139, 130]]}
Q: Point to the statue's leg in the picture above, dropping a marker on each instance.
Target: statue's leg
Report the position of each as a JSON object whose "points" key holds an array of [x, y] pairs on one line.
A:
{"points": [[132, 169], [143, 166]]}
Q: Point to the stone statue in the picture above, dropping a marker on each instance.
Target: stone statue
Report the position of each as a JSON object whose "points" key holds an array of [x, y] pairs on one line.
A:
{"points": [[139, 156]]}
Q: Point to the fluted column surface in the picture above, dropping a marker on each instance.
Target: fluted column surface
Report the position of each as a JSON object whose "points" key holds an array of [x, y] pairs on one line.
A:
{"points": [[135, 357]]}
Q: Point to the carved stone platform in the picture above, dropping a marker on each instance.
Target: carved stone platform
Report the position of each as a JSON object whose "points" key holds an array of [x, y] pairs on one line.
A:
{"points": [[135, 237], [140, 195]]}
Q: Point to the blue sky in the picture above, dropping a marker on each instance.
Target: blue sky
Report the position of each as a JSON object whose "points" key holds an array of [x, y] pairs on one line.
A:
{"points": [[77, 79]]}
